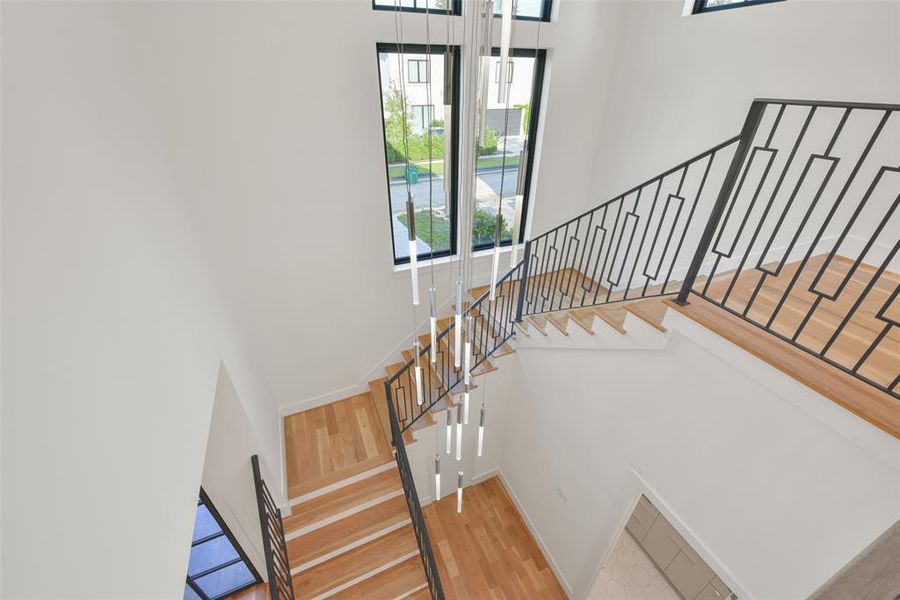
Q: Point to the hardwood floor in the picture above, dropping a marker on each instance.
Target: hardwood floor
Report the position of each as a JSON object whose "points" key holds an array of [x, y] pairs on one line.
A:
{"points": [[882, 366], [487, 551], [333, 442]]}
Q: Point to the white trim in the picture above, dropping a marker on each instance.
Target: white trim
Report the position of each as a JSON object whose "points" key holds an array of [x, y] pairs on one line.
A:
{"points": [[300, 531], [342, 483], [365, 576], [693, 541], [323, 399], [536, 535], [351, 546], [409, 593]]}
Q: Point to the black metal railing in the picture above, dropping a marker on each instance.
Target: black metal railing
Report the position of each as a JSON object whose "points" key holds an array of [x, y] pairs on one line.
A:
{"points": [[278, 565], [415, 509], [804, 235], [486, 324], [787, 202], [637, 245]]}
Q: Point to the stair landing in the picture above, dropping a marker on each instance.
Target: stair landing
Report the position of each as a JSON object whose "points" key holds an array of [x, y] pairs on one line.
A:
{"points": [[882, 366]]}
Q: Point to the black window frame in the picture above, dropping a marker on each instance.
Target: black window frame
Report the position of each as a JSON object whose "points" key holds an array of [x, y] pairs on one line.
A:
{"points": [[700, 5], [537, 89], [436, 50], [418, 61], [242, 556], [455, 8], [546, 11]]}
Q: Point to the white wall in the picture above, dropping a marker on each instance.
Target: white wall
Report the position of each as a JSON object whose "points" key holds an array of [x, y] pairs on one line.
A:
{"points": [[778, 495], [682, 84], [272, 116], [228, 473], [113, 335]]}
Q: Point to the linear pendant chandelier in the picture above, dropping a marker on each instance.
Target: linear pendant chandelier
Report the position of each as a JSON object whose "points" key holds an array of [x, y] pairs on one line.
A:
{"points": [[477, 50]]}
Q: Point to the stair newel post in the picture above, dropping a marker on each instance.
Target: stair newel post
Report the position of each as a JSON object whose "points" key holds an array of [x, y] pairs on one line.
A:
{"points": [[748, 132], [523, 282]]}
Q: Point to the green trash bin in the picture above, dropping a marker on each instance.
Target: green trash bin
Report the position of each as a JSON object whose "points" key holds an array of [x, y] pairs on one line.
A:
{"points": [[412, 173]]}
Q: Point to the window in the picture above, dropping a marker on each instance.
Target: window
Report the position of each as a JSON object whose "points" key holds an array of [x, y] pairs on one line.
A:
{"points": [[423, 121], [418, 71], [436, 6], [529, 10], [217, 567], [422, 117], [497, 168], [701, 6], [509, 74]]}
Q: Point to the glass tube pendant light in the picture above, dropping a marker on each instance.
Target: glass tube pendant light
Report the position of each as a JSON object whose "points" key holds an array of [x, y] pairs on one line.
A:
{"points": [[481, 432], [448, 120], [433, 322], [506, 12], [459, 425], [457, 324], [466, 405], [495, 265], [520, 200], [437, 477], [418, 370], [449, 430], [467, 352], [413, 253], [459, 488]]}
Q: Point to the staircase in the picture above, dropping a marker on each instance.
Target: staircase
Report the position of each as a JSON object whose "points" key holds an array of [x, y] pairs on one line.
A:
{"points": [[782, 239]]}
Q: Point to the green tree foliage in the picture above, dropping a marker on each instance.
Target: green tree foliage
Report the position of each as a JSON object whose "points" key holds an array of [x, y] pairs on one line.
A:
{"points": [[526, 116], [483, 227], [398, 121]]}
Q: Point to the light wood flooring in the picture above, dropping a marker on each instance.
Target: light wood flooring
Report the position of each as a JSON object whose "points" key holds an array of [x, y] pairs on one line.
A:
{"points": [[487, 551], [333, 442]]}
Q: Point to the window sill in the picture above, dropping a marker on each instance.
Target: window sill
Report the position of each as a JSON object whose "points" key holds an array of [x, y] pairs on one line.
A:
{"points": [[445, 262]]}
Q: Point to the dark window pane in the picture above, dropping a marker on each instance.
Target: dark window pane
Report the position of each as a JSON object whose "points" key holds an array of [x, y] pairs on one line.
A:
{"points": [[225, 580], [530, 9], [190, 594], [211, 554], [204, 523], [497, 169], [423, 122]]}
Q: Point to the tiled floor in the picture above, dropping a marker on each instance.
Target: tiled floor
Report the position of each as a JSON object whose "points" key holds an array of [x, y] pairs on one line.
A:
{"points": [[629, 574]]}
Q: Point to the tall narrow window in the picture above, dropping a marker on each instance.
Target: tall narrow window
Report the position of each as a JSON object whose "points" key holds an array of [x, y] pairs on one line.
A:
{"points": [[217, 567], [435, 6], [701, 6], [509, 139], [529, 10], [414, 127]]}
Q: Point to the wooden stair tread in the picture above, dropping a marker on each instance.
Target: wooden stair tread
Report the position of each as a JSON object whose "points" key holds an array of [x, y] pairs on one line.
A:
{"points": [[424, 594], [614, 316], [855, 395], [538, 322], [377, 389], [558, 320], [396, 582], [583, 317], [649, 311], [342, 499], [334, 536], [346, 567], [312, 485]]}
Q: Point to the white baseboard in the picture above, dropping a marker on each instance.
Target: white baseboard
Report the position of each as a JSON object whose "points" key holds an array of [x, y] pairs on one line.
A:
{"points": [[536, 535], [316, 401]]}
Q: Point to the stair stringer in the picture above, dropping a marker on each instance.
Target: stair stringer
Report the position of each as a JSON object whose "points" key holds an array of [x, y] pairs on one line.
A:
{"points": [[639, 335], [860, 432]]}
